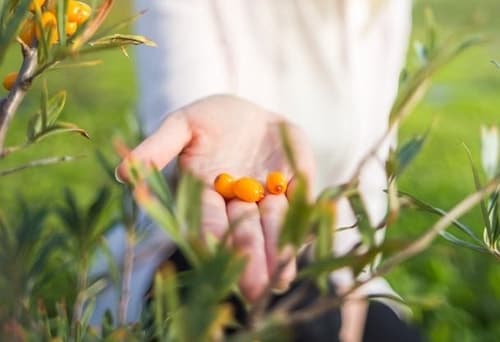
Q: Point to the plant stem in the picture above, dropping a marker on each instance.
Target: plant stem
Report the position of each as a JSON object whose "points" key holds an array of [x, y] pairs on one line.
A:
{"points": [[127, 277], [10, 104], [37, 163], [82, 279], [322, 305]]}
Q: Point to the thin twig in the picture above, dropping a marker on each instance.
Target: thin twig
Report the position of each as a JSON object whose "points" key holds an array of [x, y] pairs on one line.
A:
{"points": [[10, 104], [8, 150], [37, 163], [127, 277], [322, 305]]}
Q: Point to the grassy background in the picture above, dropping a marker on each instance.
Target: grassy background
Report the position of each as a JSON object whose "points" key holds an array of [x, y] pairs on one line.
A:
{"points": [[465, 95]]}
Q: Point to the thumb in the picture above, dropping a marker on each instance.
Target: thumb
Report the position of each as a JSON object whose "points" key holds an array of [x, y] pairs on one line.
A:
{"points": [[161, 147]]}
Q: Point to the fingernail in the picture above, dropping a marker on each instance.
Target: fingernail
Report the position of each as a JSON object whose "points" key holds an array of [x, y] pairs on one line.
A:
{"points": [[117, 176]]}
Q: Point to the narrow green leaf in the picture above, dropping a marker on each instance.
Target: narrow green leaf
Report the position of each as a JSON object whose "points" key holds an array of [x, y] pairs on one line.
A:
{"points": [[43, 45], [34, 127], [119, 40], [62, 20], [97, 207], [297, 222], [440, 212], [362, 220], [44, 103], [478, 185], [188, 204], [458, 242], [156, 180], [324, 237], [55, 106], [324, 230], [106, 164], [61, 127], [407, 153], [10, 22]]}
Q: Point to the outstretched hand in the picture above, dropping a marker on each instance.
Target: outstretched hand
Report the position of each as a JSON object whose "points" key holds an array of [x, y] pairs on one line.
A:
{"points": [[227, 134]]}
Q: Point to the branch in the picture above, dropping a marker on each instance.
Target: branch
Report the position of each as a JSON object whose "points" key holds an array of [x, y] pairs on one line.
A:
{"points": [[10, 104], [37, 163], [127, 276], [322, 305]]}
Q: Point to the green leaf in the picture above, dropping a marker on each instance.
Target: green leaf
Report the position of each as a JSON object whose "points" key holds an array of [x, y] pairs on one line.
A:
{"points": [[61, 10], [106, 164], [34, 127], [297, 222], [188, 204], [58, 128], [44, 103], [55, 106], [117, 40], [324, 236], [362, 220], [440, 212], [97, 207], [10, 22], [458, 242], [407, 153], [157, 182], [478, 185]]}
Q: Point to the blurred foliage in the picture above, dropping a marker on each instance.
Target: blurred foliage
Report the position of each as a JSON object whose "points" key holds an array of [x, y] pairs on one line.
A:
{"points": [[464, 94]]}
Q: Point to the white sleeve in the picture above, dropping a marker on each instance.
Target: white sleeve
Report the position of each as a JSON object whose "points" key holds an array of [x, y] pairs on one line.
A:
{"points": [[189, 62]]}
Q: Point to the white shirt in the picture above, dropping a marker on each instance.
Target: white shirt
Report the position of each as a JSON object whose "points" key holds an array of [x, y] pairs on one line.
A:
{"points": [[330, 66]]}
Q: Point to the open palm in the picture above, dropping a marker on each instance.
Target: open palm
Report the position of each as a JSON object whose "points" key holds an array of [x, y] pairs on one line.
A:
{"points": [[227, 134]]}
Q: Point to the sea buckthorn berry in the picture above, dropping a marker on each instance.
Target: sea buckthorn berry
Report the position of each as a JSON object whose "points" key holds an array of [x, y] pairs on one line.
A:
{"points": [[36, 4], [49, 23], [223, 184], [248, 189], [10, 80], [71, 28], [276, 183], [78, 12], [27, 32]]}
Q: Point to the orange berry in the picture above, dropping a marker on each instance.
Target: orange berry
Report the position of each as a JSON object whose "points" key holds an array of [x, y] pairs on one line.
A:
{"points": [[248, 189], [276, 183], [36, 4], [223, 184], [49, 23], [27, 33], [78, 12], [10, 80], [71, 28]]}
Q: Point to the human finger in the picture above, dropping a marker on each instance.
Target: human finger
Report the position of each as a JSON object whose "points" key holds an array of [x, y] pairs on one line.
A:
{"points": [[162, 146]]}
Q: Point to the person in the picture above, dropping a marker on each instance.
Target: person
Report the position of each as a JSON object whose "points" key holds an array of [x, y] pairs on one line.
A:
{"points": [[227, 73]]}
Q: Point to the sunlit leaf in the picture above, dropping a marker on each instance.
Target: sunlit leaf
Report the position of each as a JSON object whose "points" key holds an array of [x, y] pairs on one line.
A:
{"points": [[188, 204], [362, 219], [58, 128], [119, 40], [297, 222], [55, 106]]}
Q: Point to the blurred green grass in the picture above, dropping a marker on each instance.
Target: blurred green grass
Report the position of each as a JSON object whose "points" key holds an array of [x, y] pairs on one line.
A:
{"points": [[464, 95]]}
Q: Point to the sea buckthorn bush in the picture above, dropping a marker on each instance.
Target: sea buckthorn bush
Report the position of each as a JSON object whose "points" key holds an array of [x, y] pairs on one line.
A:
{"points": [[46, 250]]}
